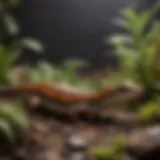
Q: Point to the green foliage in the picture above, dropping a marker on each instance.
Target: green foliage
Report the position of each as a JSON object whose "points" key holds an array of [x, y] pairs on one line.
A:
{"points": [[13, 119], [43, 72], [113, 152], [11, 50], [137, 48], [115, 79], [149, 111], [107, 154], [6, 62], [30, 43], [6, 130], [65, 73], [10, 24]]}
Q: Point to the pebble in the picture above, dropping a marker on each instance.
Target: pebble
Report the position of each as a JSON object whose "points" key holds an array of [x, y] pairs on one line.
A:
{"points": [[126, 156], [76, 144], [77, 156], [144, 140]]}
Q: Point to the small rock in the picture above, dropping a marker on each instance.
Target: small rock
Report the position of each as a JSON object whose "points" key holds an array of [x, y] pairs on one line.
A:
{"points": [[76, 144], [126, 156], [77, 156], [144, 140]]}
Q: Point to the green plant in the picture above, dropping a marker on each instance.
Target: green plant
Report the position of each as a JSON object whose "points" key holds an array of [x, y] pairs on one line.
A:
{"points": [[137, 48], [43, 72], [114, 152], [65, 73], [149, 111], [11, 45], [13, 120]]}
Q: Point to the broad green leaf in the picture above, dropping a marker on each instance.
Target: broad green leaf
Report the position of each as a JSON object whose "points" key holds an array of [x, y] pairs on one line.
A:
{"points": [[129, 13], [120, 38], [144, 18], [35, 76], [46, 70], [14, 114], [7, 129], [11, 25], [32, 44], [130, 16]]}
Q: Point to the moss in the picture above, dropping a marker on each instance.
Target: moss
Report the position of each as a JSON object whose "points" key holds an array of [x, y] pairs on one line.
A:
{"points": [[113, 152], [149, 111]]}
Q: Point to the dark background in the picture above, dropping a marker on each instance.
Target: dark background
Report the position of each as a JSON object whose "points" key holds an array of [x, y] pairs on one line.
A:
{"points": [[70, 28]]}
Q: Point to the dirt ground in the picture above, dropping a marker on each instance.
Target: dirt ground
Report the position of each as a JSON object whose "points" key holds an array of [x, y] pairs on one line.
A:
{"points": [[61, 139]]}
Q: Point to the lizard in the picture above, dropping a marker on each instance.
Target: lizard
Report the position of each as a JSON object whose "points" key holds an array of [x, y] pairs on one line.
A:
{"points": [[56, 99]]}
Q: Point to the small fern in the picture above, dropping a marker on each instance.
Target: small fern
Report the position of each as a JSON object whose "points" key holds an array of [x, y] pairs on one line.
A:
{"points": [[13, 120]]}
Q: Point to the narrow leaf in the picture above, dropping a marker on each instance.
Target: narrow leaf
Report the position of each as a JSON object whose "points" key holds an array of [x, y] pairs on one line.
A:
{"points": [[32, 44], [14, 114], [120, 38], [11, 25], [6, 129]]}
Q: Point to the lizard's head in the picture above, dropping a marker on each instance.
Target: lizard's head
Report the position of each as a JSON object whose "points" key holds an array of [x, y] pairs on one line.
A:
{"points": [[128, 91]]}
